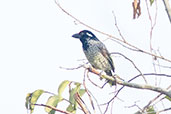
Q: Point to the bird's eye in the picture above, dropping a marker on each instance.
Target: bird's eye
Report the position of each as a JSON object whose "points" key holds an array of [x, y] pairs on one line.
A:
{"points": [[81, 33]]}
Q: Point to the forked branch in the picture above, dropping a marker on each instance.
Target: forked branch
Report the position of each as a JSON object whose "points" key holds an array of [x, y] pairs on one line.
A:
{"points": [[133, 85]]}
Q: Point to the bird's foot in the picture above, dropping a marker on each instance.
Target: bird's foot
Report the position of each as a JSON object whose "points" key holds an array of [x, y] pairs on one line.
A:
{"points": [[100, 75]]}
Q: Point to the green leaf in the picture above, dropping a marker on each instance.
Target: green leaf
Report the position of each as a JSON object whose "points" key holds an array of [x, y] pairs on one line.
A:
{"points": [[71, 108], [138, 112], [73, 91], [81, 92], [62, 87], [34, 97], [77, 84], [71, 97], [151, 2], [150, 110], [52, 112], [27, 103], [53, 102], [167, 97]]}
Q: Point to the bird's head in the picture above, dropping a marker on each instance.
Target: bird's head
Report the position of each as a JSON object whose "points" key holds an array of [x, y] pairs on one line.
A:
{"points": [[85, 35]]}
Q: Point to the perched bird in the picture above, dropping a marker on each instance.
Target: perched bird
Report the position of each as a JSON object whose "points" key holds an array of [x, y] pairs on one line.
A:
{"points": [[96, 52]]}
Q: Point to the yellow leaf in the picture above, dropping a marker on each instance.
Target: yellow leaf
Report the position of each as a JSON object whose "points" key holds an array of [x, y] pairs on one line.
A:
{"points": [[34, 97], [62, 87], [53, 102]]}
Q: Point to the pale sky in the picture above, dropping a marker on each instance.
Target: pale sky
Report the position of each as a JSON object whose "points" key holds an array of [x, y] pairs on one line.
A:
{"points": [[35, 40]]}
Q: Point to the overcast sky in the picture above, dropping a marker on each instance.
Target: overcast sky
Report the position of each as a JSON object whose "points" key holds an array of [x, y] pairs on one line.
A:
{"points": [[35, 40]]}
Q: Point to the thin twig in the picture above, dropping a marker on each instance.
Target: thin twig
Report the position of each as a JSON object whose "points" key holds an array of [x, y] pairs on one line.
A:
{"points": [[133, 85], [81, 103], [94, 83], [147, 87], [151, 22], [112, 99], [168, 9], [132, 64], [145, 74], [151, 101], [73, 68], [118, 27], [53, 108], [164, 110], [151, 74], [152, 25], [110, 36], [96, 102], [88, 92], [84, 84], [124, 45], [163, 66]]}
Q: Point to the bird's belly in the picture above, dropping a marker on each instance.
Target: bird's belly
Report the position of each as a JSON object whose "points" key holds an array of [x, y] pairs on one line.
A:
{"points": [[97, 60]]}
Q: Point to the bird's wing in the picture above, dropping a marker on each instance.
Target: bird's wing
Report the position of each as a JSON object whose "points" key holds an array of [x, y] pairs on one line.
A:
{"points": [[106, 54]]}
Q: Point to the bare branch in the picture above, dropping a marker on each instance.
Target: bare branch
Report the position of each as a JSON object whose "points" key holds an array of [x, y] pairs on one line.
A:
{"points": [[151, 101], [151, 22], [124, 45], [96, 102], [132, 64], [147, 87], [87, 91], [81, 103], [110, 36], [93, 82], [73, 68], [164, 110], [168, 9], [124, 84], [132, 85], [152, 74], [127, 84], [118, 27], [112, 99], [163, 66], [58, 110]]}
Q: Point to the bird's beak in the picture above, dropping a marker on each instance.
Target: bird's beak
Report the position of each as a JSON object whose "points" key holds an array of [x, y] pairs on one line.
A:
{"points": [[76, 35]]}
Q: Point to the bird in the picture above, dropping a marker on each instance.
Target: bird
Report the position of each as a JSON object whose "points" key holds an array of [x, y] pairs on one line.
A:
{"points": [[96, 52]]}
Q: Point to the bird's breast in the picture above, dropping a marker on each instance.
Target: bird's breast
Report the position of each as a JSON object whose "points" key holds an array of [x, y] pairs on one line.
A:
{"points": [[96, 58]]}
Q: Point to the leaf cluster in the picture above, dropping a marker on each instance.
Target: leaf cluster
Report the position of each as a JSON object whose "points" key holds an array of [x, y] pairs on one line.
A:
{"points": [[55, 99]]}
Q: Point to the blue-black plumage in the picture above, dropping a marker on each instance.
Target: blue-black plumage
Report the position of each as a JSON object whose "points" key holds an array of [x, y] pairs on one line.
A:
{"points": [[96, 52]]}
